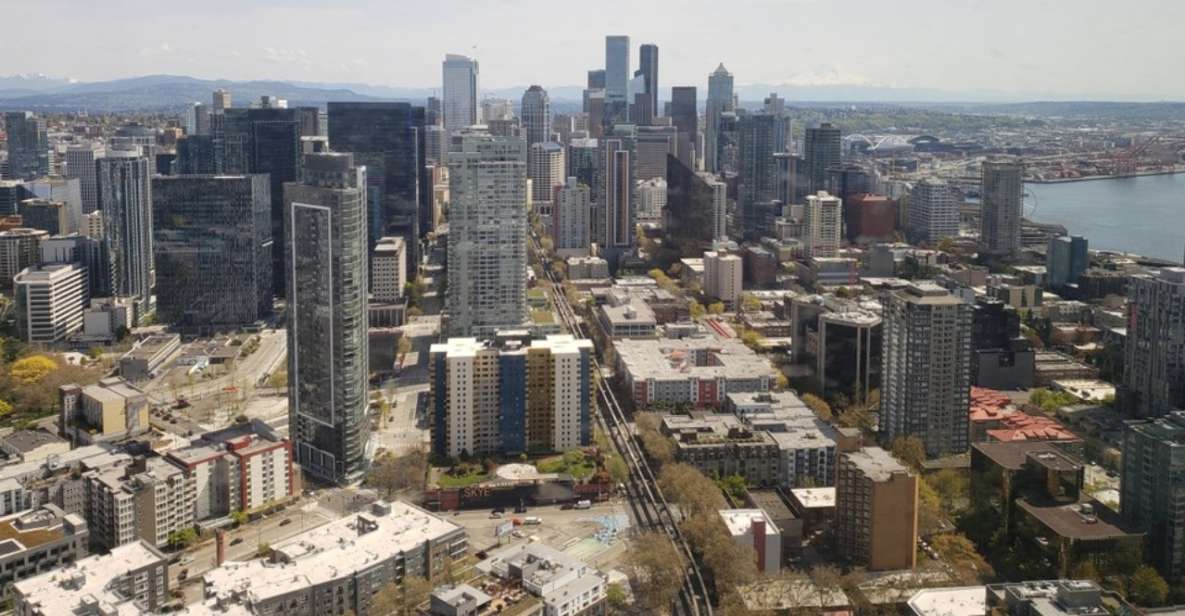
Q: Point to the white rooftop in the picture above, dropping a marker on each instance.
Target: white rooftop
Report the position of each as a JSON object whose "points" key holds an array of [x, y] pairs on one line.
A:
{"points": [[815, 497], [740, 521], [62, 590], [961, 601]]}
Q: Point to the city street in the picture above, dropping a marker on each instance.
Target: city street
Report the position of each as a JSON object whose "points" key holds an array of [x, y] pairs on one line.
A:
{"points": [[401, 432], [247, 373]]}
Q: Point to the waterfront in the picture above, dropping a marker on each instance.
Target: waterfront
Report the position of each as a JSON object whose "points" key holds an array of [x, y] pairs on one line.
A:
{"points": [[1144, 215]]}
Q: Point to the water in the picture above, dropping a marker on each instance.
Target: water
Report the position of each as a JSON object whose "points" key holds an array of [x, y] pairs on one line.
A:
{"points": [[1144, 215]]}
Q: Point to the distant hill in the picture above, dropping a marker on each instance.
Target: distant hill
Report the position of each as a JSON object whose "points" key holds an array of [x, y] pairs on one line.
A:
{"points": [[163, 93]]}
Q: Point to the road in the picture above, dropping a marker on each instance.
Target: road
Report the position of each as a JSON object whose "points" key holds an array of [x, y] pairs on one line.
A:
{"points": [[402, 432], [247, 372]]}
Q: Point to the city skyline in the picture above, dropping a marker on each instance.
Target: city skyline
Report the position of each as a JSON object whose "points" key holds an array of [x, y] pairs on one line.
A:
{"points": [[1048, 54]]}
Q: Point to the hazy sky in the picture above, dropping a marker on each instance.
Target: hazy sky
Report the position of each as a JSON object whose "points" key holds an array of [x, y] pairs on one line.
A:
{"points": [[1033, 48]]}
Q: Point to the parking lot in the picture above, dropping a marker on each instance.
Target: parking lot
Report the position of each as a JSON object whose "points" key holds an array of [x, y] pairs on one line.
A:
{"points": [[598, 535]]}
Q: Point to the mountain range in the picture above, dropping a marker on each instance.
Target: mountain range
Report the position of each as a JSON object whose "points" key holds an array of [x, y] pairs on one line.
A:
{"points": [[173, 92]]}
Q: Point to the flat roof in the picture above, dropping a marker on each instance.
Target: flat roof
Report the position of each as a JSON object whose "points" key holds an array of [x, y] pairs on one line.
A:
{"points": [[28, 440], [876, 463], [1013, 454], [333, 551], [88, 580], [1087, 520], [960, 601], [814, 498], [740, 521]]}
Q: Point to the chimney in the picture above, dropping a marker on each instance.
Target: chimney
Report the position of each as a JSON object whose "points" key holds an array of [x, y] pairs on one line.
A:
{"points": [[220, 547]]}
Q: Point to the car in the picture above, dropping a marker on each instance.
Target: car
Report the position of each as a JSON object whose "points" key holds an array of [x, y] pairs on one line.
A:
{"points": [[236, 541], [567, 506], [495, 515], [286, 522], [184, 574], [584, 504]]}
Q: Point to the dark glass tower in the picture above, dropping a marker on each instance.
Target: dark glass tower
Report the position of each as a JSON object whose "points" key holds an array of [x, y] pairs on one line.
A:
{"points": [[685, 117], [648, 67], [325, 263], [385, 138], [212, 242], [757, 181], [28, 145], [125, 200], [821, 149]]}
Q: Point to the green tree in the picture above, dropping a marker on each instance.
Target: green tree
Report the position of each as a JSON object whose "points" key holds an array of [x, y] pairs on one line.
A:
{"points": [[1146, 587], [5, 409], [658, 569], [716, 308], [910, 450], [278, 380], [182, 538], [617, 468], [239, 517], [696, 310], [818, 405], [929, 509], [750, 303]]}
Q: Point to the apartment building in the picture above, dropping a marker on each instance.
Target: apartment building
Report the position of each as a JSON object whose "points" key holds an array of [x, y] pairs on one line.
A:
{"points": [[876, 510]]}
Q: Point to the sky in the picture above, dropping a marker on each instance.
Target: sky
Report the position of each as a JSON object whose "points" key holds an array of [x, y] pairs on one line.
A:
{"points": [[1083, 49]]}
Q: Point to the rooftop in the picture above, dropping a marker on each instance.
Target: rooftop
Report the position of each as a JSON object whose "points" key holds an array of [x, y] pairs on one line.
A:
{"points": [[876, 463], [962, 601], [87, 581], [329, 552], [701, 358], [740, 521], [23, 441], [814, 498], [1088, 520], [1013, 455]]}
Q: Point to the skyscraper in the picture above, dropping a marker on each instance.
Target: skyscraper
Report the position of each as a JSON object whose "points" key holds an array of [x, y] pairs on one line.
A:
{"points": [[1152, 488], [28, 145], [1154, 353], [1065, 259], [325, 262], [823, 219], [262, 140], [933, 213], [536, 115], [581, 162], [695, 209], [212, 246], [648, 66], [821, 149], [927, 368], [220, 100], [487, 241], [125, 200], [615, 184], [571, 224], [685, 117], [720, 99], [758, 175], [1001, 198], [546, 169], [80, 163], [617, 69], [461, 85], [384, 138]]}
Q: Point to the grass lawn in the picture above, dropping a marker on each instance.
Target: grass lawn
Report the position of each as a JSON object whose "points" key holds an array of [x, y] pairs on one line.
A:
{"points": [[585, 467], [542, 317], [469, 476]]}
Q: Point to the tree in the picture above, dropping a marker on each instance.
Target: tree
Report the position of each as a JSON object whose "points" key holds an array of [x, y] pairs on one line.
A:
{"points": [[953, 488], [688, 487], [1146, 587], [716, 308], [239, 517], [32, 369], [910, 450], [752, 339], [400, 599], [5, 409], [781, 381], [657, 446], [956, 550], [182, 537], [658, 568], [617, 468], [615, 597], [278, 380], [696, 310], [818, 405], [404, 346], [750, 303], [392, 474], [929, 509]]}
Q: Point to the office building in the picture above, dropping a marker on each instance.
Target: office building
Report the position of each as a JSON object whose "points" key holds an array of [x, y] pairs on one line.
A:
{"points": [[617, 77], [869, 218], [1065, 259], [650, 198], [132, 579], [757, 174], [487, 241], [388, 268], [823, 219], [933, 213], [196, 120], [698, 372], [350, 559], [1152, 497], [614, 199], [545, 168], [75, 248], [685, 119], [927, 368], [696, 210], [507, 398], [1154, 351], [821, 149], [326, 264], [19, 248], [12, 192], [720, 100], [196, 155], [846, 180], [753, 530], [564, 585], [263, 140], [571, 219], [28, 145], [648, 70], [45, 215], [876, 510], [652, 146], [460, 87], [80, 164], [536, 115], [1001, 358], [1001, 206], [49, 301], [384, 138], [58, 189], [212, 246], [221, 99], [108, 411], [724, 278], [581, 162]]}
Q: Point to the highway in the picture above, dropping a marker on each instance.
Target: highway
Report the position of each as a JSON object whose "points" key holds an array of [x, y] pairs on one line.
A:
{"points": [[650, 506]]}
